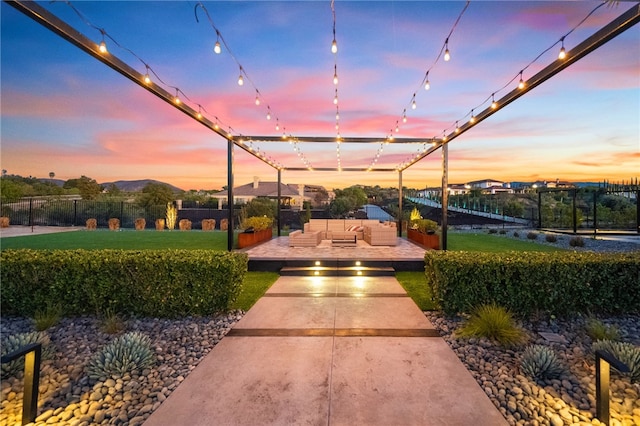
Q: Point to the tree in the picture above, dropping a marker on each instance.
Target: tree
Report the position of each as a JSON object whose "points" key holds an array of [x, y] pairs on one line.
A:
{"points": [[52, 175], [88, 188], [259, 207], [10, 190], [340, 206], [155, 194]]}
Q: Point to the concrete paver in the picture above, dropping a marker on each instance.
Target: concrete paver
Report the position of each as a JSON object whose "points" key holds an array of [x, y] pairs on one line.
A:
{"points": [[330, 351]]}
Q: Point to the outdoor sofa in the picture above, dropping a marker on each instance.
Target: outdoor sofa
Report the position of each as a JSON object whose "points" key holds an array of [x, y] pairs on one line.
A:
{"points": [[307, 239], [329, 227]]}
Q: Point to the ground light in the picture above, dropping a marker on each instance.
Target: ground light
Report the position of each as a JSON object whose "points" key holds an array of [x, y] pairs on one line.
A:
{"points": [[603, 360], [32, 356]]}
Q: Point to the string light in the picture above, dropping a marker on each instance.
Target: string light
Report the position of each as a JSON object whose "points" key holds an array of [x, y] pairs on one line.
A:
{"points": [[240, 78], [335, 75], [563, 53], [147, 79], [494, 104], [457, 128], [472, 120], [521, 83], [216, 47], [404, 116], [277, 125], [177, 100], [447, 55], [257, 98], [397, 127], [268, 113], [413, 102], [334, 46], [427, 85]]}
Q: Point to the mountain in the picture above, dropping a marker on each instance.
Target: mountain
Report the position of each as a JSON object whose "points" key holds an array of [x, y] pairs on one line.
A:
{"points": [[136, 185], [57, 182]]}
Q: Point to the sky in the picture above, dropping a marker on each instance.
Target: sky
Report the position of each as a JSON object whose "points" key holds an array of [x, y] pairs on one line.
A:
{"points": [[63, 111]]}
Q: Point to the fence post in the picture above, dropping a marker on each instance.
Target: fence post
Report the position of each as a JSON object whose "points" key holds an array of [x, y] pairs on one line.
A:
{"points": [[30, 211], [75, 212]]}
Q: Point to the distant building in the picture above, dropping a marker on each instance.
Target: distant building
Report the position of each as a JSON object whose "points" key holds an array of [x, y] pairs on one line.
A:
{"points": [[290, 194]]}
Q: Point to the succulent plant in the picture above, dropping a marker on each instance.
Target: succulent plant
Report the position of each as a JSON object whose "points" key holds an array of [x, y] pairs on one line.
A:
{"points": [[124, 354], [14, 342], [625, 352], [541, 362]]}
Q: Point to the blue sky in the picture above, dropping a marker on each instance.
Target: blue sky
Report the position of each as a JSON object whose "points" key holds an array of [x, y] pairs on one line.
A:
{"points": [[67, 113]]}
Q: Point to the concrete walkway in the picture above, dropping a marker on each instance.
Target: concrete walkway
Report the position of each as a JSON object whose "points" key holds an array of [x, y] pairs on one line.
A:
{"points": [[330, 351]]}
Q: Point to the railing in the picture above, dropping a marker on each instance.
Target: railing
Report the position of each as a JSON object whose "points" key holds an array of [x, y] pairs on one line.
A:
{"points": [[32, 356], [603, 360]]}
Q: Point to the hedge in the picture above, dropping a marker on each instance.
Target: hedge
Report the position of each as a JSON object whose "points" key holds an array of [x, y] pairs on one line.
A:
{"points": [[561, 284], [151, 283]]}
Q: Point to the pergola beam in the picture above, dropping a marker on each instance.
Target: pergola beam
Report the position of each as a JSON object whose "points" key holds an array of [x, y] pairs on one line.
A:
{"points": [[333, 139]]}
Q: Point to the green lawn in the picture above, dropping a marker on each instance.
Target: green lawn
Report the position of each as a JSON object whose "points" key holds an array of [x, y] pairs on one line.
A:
{"points": [[494, 244], [415, 283], [124, 239], [254, 286]]}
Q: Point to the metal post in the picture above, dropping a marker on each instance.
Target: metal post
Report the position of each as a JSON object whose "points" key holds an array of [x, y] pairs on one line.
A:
{"points": [[230, 194], [595, 214], [575, 212], [31, 212], [75, 212], [279, 201], [539, 210], [400, 203], [445, 194], [638, 210]]}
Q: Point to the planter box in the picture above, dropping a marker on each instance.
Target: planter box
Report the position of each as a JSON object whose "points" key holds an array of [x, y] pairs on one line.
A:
{"points": [[431, 241], [249, 239]]}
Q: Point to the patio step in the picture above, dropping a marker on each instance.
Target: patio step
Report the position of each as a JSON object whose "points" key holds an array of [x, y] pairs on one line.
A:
{"points": [[338, 271]]}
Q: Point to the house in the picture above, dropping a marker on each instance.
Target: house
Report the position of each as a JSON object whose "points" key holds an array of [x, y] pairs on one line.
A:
{"points": [[290, 194]]}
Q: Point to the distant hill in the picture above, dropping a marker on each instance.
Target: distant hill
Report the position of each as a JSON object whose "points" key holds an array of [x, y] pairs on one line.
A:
{"points": [[136, 185], [57, 182]]}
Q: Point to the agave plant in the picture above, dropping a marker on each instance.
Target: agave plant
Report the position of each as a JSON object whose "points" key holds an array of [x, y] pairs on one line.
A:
{"points": [[625, 352], [541, 362], [124, 354], [14, 342]]}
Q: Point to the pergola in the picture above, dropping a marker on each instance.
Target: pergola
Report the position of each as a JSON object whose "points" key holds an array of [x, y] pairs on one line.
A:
{"points": [[617, 26]]}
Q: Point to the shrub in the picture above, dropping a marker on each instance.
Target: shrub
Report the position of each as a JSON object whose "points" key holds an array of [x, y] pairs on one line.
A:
{"points": [[551, 238], [257, 223], [532, 235], [502, 232], [541, 362], [157, 283], [625, 352], [598, 330], [493, 322], [527, 282], [516, 234], [14, 342], [493, 231], [131, 351], [47, 317], [576, 242]]}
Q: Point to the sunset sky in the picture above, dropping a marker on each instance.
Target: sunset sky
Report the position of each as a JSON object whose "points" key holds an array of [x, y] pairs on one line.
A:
{"points": [[63, 111]]}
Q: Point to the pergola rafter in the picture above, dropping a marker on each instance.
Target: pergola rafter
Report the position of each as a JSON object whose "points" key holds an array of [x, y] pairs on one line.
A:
{"points": [[625, 21]]}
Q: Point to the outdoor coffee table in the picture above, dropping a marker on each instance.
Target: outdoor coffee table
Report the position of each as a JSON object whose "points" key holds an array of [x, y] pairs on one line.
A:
{"points": [[344, 239]]}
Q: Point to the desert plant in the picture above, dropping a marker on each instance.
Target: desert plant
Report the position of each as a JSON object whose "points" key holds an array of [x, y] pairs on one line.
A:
{"points": [[494, 322], [131, 351], [171, 216], [414, 216], [541, 362], [47, 317], [111, 323], [576, 242], [532, 235], [550, 238], [625, 352], [14, 342], [598, 330]]}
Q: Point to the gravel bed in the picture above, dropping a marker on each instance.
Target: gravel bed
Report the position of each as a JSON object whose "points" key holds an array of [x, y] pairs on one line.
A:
{"points": [[67, 395], [569, 400], [590, 244]]}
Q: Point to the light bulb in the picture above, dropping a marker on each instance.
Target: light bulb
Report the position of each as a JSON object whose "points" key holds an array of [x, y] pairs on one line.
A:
{"points": [[562, 54], [102, 47], [397, 128], [457, 128], [334, 46], [335, 100], [177, 100], [521, 84], [199, 116], [335, 79], [427, 85], [240, 80], [147, 79], [447, 55], [277, 126], [216, 48], [473, 118], [404, 116], [413, 104], [337, 116], [257, 100], [494, 104], [268, 115]]}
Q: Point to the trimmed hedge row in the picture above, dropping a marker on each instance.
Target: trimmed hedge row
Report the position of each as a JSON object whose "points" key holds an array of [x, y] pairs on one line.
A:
{"points": [[155, 283], [533, 282]]}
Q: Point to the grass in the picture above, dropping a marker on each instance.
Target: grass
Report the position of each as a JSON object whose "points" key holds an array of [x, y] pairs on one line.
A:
{"points": [[47, 317], [492, 243], [415, 284], [493, 322], [254, 286], [125, 239]]}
